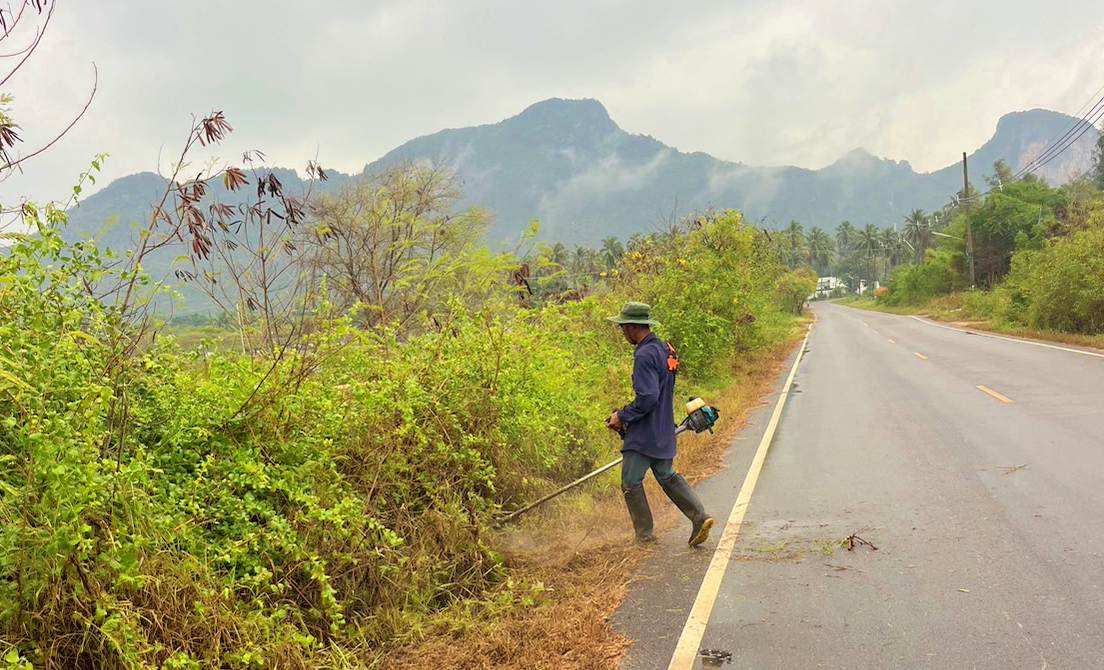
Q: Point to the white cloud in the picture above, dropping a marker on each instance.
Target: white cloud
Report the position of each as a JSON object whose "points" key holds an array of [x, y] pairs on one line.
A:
{"points": [[607, 177], [767, 83]]}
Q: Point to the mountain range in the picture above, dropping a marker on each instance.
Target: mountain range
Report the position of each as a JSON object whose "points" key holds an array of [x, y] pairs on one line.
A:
{"points": [[567, 163]]}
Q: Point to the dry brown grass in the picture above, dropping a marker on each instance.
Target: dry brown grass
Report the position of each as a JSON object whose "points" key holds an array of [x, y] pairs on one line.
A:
{"points": [[1090, 341], [580, 548]]}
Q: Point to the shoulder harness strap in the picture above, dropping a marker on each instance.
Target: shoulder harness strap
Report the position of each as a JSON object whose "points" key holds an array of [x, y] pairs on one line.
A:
{"points": [[672, 359]]}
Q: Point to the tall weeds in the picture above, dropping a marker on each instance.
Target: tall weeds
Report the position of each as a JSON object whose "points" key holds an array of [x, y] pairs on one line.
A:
{"points": [[300, 510]]}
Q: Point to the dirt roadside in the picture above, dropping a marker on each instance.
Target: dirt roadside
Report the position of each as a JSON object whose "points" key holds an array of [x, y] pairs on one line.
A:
{"points": [[579, 556]]}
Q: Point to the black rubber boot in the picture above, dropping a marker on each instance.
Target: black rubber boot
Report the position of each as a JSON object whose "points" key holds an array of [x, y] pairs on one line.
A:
{"points": [[637, 502], [680, 493]]}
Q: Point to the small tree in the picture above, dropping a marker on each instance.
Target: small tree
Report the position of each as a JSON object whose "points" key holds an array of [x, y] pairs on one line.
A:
{"points": [[387, 243], [794, 288]]}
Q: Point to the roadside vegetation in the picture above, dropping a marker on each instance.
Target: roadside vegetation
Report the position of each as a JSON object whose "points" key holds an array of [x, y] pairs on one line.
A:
{"points": [[311, 478], [1039, 262], [1037, 256]]}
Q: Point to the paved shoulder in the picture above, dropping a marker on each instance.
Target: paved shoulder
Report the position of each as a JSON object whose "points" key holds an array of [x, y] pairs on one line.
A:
{"points": [[660, 600], [986, 515]]}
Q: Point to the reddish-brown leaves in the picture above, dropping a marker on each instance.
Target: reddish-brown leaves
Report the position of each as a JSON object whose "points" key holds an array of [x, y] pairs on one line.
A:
{"points": [[315, 171], [275, 188], [8, 136], [294, 208], [214, 128], [234, 178]]}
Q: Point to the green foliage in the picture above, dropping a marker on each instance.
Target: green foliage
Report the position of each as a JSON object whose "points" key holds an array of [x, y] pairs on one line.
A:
{"points": [[1098, 162], [715, 298], [914, 284], [394, 244], [821, 249], [1061, 285], [1039, 249], [1021, 212], [185, 509], [794, 288]]}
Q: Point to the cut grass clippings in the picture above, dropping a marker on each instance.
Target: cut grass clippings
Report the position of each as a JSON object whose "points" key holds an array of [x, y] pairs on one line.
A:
{"points": [[577, 555]]}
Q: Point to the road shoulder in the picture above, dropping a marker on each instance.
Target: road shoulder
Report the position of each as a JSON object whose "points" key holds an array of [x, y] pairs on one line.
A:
{"points": [[662, 595]]}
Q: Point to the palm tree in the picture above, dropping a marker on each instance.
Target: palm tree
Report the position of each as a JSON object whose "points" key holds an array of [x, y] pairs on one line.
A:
{"points": [[612, 251], [845, 237], [795, 245], [891, 249], [558, 254], [918, 232], [820, 250], [582, 269], [869, 242]]}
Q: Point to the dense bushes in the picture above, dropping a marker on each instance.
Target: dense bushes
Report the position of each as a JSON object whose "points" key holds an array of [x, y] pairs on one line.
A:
{"points": [[795, 287], [1061, 286], [913, 284], [715, 296], [1040, 252], [300, 508]]}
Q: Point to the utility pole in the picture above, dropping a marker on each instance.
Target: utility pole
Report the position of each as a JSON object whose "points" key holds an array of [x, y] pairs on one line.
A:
{"points": [[966, 208]]}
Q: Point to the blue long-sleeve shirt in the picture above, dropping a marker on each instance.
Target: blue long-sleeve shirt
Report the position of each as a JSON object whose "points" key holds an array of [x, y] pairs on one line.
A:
{"points": [[650, 419]]}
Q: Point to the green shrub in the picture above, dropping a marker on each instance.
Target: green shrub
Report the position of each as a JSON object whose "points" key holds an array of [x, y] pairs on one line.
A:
{"points": [[794, 288], [1060, 287], [173, 509], [915, 284]]}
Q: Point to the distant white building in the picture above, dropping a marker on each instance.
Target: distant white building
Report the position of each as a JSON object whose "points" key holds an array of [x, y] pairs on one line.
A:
{"points": [[864, 286], [828, 285]]}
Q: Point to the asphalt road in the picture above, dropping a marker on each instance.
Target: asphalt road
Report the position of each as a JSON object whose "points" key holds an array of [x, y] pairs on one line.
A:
{"points": [[987, 515]]}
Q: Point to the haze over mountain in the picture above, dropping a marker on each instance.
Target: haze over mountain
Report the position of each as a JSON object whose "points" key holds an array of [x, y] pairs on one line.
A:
{"points": [[567, 163]]}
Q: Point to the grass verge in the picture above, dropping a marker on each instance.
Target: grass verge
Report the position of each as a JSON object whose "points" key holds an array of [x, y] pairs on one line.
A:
{"points": [[955, 309], [575, 557]]}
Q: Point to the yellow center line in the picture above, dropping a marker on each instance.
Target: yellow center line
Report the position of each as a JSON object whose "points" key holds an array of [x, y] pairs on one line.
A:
{"points": [[999, 396], [689, 642], [920, 355]]}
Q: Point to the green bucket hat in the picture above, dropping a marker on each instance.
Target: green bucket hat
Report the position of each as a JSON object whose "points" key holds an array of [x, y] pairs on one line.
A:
{"points": [[634, 312]]}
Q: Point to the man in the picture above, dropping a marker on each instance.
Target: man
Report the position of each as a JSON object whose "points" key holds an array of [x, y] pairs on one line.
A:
{"points": [[647, 426]]}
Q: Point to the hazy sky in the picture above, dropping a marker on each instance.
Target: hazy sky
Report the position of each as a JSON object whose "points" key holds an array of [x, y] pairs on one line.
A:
{"points": [[760, 82]]}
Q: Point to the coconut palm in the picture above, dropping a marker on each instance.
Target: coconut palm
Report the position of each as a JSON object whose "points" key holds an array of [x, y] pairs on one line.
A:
{"points": [[892, 249], [845, 237], [795, 247], [918, 232], [612, 251], [558, 254], [868, 242], [583, 267], [820, 250]]}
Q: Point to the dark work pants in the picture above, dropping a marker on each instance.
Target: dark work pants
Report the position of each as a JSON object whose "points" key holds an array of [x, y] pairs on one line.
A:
{"points": [[636, 465]]}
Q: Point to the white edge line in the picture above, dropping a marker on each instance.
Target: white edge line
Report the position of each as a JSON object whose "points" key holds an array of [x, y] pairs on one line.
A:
{"points": [[686, 651], [1008, 339]]}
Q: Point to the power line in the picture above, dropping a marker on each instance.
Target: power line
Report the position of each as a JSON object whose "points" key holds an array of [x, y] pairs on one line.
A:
{"points": [[1082, 124], [1091, 123], [1056, 148]]}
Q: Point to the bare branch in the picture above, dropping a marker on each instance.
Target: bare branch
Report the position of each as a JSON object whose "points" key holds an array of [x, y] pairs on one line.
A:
{"points": [[87, 104], [38, 38], [15, 22]]}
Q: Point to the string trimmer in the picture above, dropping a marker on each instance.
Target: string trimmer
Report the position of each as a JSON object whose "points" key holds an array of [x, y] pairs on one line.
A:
{"points": [[699, 418]]}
